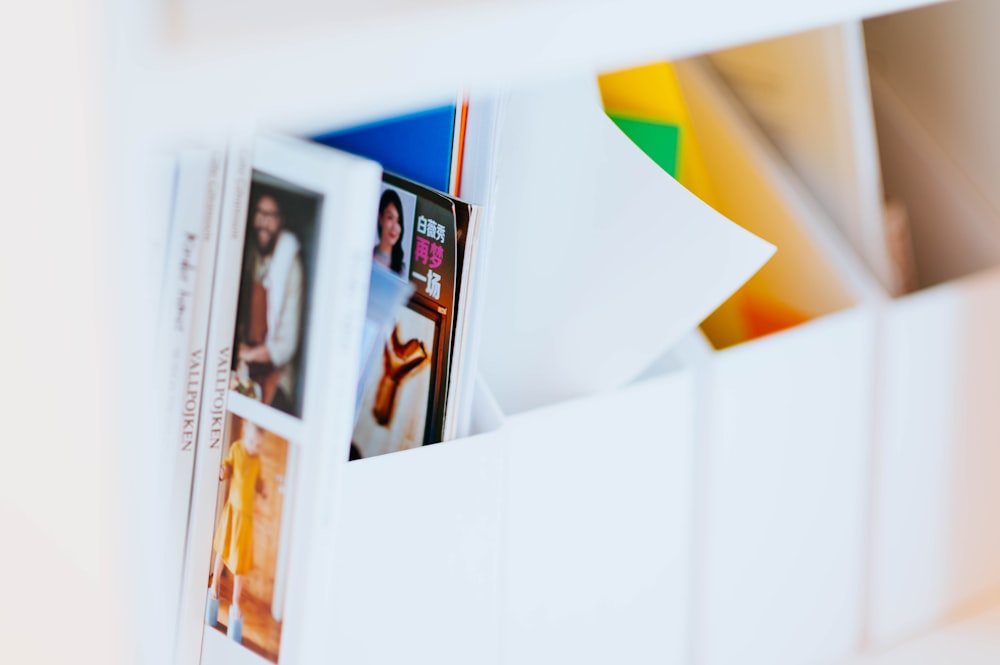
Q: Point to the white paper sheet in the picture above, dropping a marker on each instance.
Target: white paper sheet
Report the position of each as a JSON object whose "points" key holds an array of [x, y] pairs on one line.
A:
{"points": [[599, 260]]}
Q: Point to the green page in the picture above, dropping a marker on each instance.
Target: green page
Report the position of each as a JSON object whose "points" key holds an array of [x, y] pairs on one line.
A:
{"points": [[659, 140]]}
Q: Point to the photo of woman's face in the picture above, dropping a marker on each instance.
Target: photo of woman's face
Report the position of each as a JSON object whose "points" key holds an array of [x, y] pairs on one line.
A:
{"points": [[388, 223]]}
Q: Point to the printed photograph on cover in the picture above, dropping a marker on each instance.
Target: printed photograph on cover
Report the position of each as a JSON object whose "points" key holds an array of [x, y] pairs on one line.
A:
{"points": [[403, 392], [387, 293], [394, 403], [278, 261], [394, 230], [250, 539]]}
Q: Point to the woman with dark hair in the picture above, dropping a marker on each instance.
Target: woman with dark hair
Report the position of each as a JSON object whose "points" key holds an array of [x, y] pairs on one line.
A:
{"points": [[389, 250]]}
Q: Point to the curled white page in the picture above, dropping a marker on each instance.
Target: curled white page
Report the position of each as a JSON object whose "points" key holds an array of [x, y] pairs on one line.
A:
{"points": [[599, 260]]}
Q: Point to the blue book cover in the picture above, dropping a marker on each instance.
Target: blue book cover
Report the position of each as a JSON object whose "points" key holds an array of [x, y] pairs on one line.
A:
{"points": [[417, 146]]}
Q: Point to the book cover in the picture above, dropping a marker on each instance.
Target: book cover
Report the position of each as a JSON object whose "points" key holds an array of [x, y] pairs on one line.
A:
{"points": [[278, 406], [419, 145]]}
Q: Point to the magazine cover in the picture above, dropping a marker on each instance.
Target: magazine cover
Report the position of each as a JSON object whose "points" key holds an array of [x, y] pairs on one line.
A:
{"points": [[279, 401], [402, 144], [403, 397]]}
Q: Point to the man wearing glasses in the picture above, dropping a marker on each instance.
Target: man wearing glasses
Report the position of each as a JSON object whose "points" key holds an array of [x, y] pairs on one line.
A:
{"points": [[271, 294]]}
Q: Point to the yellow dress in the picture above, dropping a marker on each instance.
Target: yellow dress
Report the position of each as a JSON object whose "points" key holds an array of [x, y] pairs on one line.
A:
{"points": [[234, 534]]}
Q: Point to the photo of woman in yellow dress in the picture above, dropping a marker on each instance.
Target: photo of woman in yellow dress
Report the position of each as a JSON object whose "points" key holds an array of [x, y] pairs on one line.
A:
{"points": [[233, 543]]}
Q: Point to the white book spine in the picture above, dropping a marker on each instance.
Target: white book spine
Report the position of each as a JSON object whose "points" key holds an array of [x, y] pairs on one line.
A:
{"points": [[182, 274], [479, 183], [206, 183], [179, 281], [459, 385], [211, 420]]}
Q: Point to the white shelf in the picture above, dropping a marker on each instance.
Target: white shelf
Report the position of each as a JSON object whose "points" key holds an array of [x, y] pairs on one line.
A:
{"points": [[308, 65], [314, 64]]}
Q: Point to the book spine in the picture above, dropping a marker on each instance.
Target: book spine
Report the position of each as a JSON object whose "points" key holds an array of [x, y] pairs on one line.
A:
{"points": [[180, 285], [484, 130], [171, 326], [212, 412], [179, 280], [185, 410], [459, 382]]}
